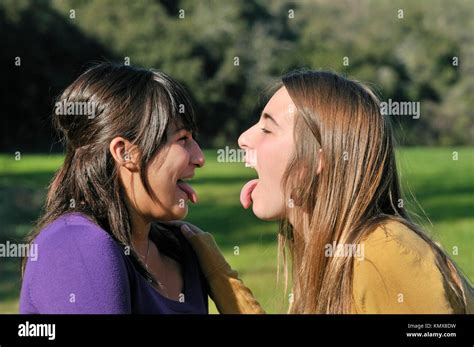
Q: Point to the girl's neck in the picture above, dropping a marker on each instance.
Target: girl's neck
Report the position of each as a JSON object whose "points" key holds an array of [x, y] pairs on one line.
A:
{"points": [[140, 229]]}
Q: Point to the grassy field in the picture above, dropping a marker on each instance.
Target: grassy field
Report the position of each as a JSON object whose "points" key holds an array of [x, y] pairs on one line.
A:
{"points": [[443, 187]]}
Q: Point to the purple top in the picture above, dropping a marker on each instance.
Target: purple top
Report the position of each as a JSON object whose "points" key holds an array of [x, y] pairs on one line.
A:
{"points": [[81, 269]]}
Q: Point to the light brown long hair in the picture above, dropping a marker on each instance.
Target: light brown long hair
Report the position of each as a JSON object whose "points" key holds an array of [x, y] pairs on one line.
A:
{"points": [[357, 190], [134, 103]]}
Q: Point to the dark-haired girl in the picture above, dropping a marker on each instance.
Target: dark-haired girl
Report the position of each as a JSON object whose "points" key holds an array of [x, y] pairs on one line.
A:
{"points": [[101, 246]]}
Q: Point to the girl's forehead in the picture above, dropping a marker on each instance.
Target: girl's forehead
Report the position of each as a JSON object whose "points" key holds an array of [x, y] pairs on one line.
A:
{"points": [[281, 106]]}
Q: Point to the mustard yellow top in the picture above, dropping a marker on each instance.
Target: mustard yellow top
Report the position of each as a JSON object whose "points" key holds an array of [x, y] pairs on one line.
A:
{"points": [[397, 273]]}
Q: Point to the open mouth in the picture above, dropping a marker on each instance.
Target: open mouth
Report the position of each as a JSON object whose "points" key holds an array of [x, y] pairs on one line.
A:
{"points": [[187, 189], [247, 190], [246, 193]]}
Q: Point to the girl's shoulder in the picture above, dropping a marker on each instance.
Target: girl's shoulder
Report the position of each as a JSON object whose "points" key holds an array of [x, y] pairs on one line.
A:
{"points": [[75, 231], [393, 237], [397, 273], [79, 268], [69, 225], [76, 239]]}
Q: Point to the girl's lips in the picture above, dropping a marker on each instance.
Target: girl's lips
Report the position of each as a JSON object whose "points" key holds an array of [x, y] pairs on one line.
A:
{"points": [[185, 187], [246, 193]]}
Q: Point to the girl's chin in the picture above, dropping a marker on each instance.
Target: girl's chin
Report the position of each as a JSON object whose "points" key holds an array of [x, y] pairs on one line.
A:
{"points": [[175, 212], [180, 212], [265, 212]]}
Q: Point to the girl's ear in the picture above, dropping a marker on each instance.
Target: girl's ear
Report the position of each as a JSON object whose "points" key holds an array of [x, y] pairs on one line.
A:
{"points": [[124, 153]]}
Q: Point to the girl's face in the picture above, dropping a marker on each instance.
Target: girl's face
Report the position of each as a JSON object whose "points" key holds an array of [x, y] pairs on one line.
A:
{"points": [[166, 174], [268, 146]]}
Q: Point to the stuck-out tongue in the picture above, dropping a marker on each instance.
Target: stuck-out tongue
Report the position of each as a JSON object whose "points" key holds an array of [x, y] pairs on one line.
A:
{"points": [[185, 187], [246, 193]]}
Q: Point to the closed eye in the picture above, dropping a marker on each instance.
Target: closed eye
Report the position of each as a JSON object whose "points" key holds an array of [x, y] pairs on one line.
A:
{"points": [[184, 136], [265, 131]]}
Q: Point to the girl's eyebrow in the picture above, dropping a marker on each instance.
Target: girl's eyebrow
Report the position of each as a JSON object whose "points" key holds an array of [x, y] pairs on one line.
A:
{"points": [[265, 115], [180, 129]]}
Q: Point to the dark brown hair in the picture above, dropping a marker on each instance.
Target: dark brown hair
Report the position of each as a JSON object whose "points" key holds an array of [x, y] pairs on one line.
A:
{"points": [[134, 103]]}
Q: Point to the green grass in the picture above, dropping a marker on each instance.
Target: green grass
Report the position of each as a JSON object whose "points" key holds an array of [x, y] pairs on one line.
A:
{"points": [[443, 187]]}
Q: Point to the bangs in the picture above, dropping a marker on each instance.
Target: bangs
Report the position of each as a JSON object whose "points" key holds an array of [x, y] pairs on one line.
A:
{"points": [[183, 117], [181, 113]]}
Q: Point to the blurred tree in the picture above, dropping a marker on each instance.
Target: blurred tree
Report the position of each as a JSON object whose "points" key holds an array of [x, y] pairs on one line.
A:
{"points": [[227, 52], [41, 53]]}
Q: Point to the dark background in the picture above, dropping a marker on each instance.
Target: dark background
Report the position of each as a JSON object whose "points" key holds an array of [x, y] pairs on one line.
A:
{"points": [[409, 58]]}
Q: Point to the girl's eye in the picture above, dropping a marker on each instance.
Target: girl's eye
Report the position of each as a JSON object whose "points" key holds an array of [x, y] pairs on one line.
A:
{"points": [[265, 131], [184, 138]]}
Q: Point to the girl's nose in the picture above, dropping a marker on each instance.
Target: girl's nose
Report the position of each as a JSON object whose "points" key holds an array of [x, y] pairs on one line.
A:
{"points": [[244, 140], [197, 156]]}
